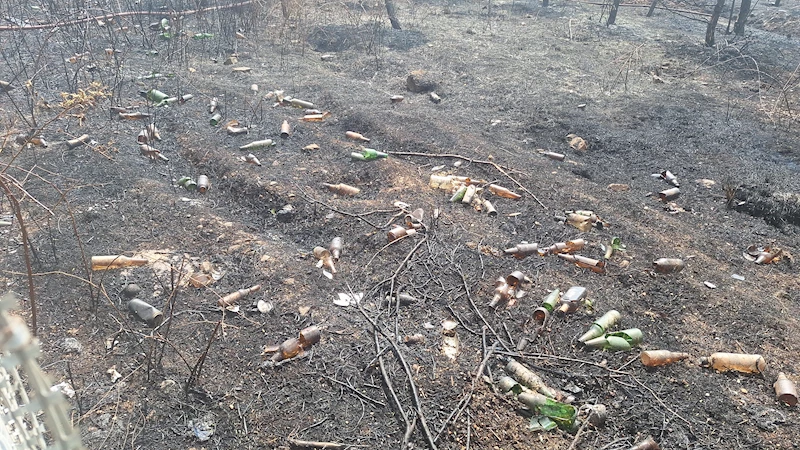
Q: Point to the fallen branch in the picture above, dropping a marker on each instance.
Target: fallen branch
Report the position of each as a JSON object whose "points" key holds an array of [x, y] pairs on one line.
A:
{"points": [[578, 435], [108, 17], [26, 247], [363, 269], [477, 311], [297, 443], [194, 377], [412, 386], [523, 355], [392, 283], [312, 200], [390, 387]]}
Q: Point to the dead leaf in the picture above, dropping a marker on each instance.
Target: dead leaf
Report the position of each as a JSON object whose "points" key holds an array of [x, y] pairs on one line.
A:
{"points": [[449, 325], [303, 310], [311, 147], [487, 250], [200, 280]]}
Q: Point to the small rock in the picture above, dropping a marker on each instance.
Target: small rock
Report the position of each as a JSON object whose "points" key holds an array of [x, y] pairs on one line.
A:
{"points": [[286, 214], [264, 307], [577, 142], [72, 345], [618, 187], [597, 415], [420, 81], [203, 427], [131, 290], [169, 386], [102, 421]]}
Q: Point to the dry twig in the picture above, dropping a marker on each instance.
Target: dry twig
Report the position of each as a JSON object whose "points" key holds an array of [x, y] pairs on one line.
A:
{"points": [[297, 443], [407, 368], [354, 391], [464, 403]]}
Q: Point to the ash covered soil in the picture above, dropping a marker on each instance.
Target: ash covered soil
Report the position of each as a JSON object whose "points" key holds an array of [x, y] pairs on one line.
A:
{"points": [[646, 96]]}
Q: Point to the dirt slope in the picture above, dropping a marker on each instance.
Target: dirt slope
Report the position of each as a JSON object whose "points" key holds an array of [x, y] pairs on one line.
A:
{"points": [[644, 94]]}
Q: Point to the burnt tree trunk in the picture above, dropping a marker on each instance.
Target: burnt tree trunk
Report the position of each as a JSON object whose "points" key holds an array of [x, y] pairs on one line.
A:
{"points": [[712, 24], [744, 13], [392, 13], [612, 14], [730, 18], [652, 8]]}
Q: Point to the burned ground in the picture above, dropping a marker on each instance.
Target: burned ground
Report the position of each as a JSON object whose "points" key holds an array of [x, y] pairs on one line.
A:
{"points": [[645, 94]]}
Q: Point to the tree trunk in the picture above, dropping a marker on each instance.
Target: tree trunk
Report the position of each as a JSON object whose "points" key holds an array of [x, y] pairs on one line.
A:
{"points": [[612, 14], [730, 18], [392, 13], [652, 8], [712, 24], [744, 13], [777, 3]]}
